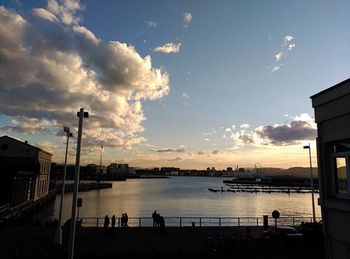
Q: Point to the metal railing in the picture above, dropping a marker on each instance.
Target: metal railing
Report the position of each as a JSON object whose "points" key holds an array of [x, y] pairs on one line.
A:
{"points": [[199, 221]]}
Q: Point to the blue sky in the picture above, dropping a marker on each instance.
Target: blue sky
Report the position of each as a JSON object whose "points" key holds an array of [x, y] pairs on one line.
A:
{"points": [[238, 62]]}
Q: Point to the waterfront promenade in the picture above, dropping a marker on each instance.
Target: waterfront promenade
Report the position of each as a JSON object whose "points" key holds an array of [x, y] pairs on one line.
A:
{"points": [[146, 242]]}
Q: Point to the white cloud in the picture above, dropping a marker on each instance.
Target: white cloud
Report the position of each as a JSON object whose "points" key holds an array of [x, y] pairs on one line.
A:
{"points": [[185, 96], [275, 68], [50, 69], [228, 130], [291, 46], [206, 139], [168, 48], [187, 19], [32, 126], [151, 24], [286, 47], [48, 146], [245, 126], [43, 13], [299, 129], [287, 39], [65, 10], [279, 56]]}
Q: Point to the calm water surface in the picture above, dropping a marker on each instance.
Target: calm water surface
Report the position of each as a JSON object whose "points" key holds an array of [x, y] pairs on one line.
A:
{"points": [[183, 196]]}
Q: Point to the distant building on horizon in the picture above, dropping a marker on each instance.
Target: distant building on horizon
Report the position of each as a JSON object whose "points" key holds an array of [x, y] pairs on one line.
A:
{"points": [[25, 172], [332, 115], [120, 169], [170, 170]]}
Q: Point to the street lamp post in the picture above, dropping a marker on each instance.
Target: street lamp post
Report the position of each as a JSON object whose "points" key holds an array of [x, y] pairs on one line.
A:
{"points": [[312, 184], [58, 236], [81, 114], [101, 159]]}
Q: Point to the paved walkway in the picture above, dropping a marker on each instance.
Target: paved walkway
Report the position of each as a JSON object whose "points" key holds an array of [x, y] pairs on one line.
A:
{"points": [[186, 242]]}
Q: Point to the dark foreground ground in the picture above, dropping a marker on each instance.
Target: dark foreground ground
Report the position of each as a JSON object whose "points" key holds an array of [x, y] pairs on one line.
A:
{"points": [[185, 242]]}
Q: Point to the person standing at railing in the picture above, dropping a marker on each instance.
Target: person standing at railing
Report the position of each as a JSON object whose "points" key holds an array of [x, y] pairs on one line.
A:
{"points": [[162, 223], [106, 222], [126, 219], [113, 221], [154, 217], [122, 220]]}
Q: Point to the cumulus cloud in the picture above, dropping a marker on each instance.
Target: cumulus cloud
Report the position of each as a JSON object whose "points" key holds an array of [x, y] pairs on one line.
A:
{"points": [[245, 126], [66, 10], [32, 126], [286, 134], [187, 19], [44, 14], [151, 24], [52, 66], [215, 152], [200, 152], [168, 48], [47, 146], [300, 128], [206, 139]]}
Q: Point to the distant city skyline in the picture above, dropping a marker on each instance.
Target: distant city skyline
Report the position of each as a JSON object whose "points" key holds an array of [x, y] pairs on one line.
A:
{"points": [[189, 84]]}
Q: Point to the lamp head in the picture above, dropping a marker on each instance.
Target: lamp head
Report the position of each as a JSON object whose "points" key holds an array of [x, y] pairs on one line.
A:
{"points": [[306, 147], [85, 114], [66, 129]]}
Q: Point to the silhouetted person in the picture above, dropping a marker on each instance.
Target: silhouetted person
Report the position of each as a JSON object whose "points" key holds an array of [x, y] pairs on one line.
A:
{"points": [[113, 221], [106, 221], [123, 219], [154, 217], [161, 223], [126, 219]]}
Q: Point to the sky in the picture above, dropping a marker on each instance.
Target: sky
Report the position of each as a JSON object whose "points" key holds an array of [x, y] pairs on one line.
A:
{"points": [[189, 84]]}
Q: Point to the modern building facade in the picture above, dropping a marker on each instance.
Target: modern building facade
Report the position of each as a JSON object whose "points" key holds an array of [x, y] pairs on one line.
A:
{"points": [[332, 115], [25, 172]]}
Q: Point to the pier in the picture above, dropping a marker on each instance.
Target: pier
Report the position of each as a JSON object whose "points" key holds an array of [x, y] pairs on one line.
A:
{"points": [[83, 187], [256, 188]]}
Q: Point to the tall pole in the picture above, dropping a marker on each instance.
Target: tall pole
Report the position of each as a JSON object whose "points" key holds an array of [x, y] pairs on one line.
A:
{"points": [[58, 237], [81, 115], [311, 185], [312, 188], [101, 160]]}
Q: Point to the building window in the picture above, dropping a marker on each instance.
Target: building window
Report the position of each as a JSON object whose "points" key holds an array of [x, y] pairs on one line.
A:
{"points": [[341, 175], [341, 154]]}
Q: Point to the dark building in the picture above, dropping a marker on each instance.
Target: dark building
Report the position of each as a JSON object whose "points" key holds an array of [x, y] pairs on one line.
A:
{"points": [[25, 172], [332, 115]]}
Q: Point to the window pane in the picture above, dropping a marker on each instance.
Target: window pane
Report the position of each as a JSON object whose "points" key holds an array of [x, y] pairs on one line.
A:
{"points": [[342, 180]]}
